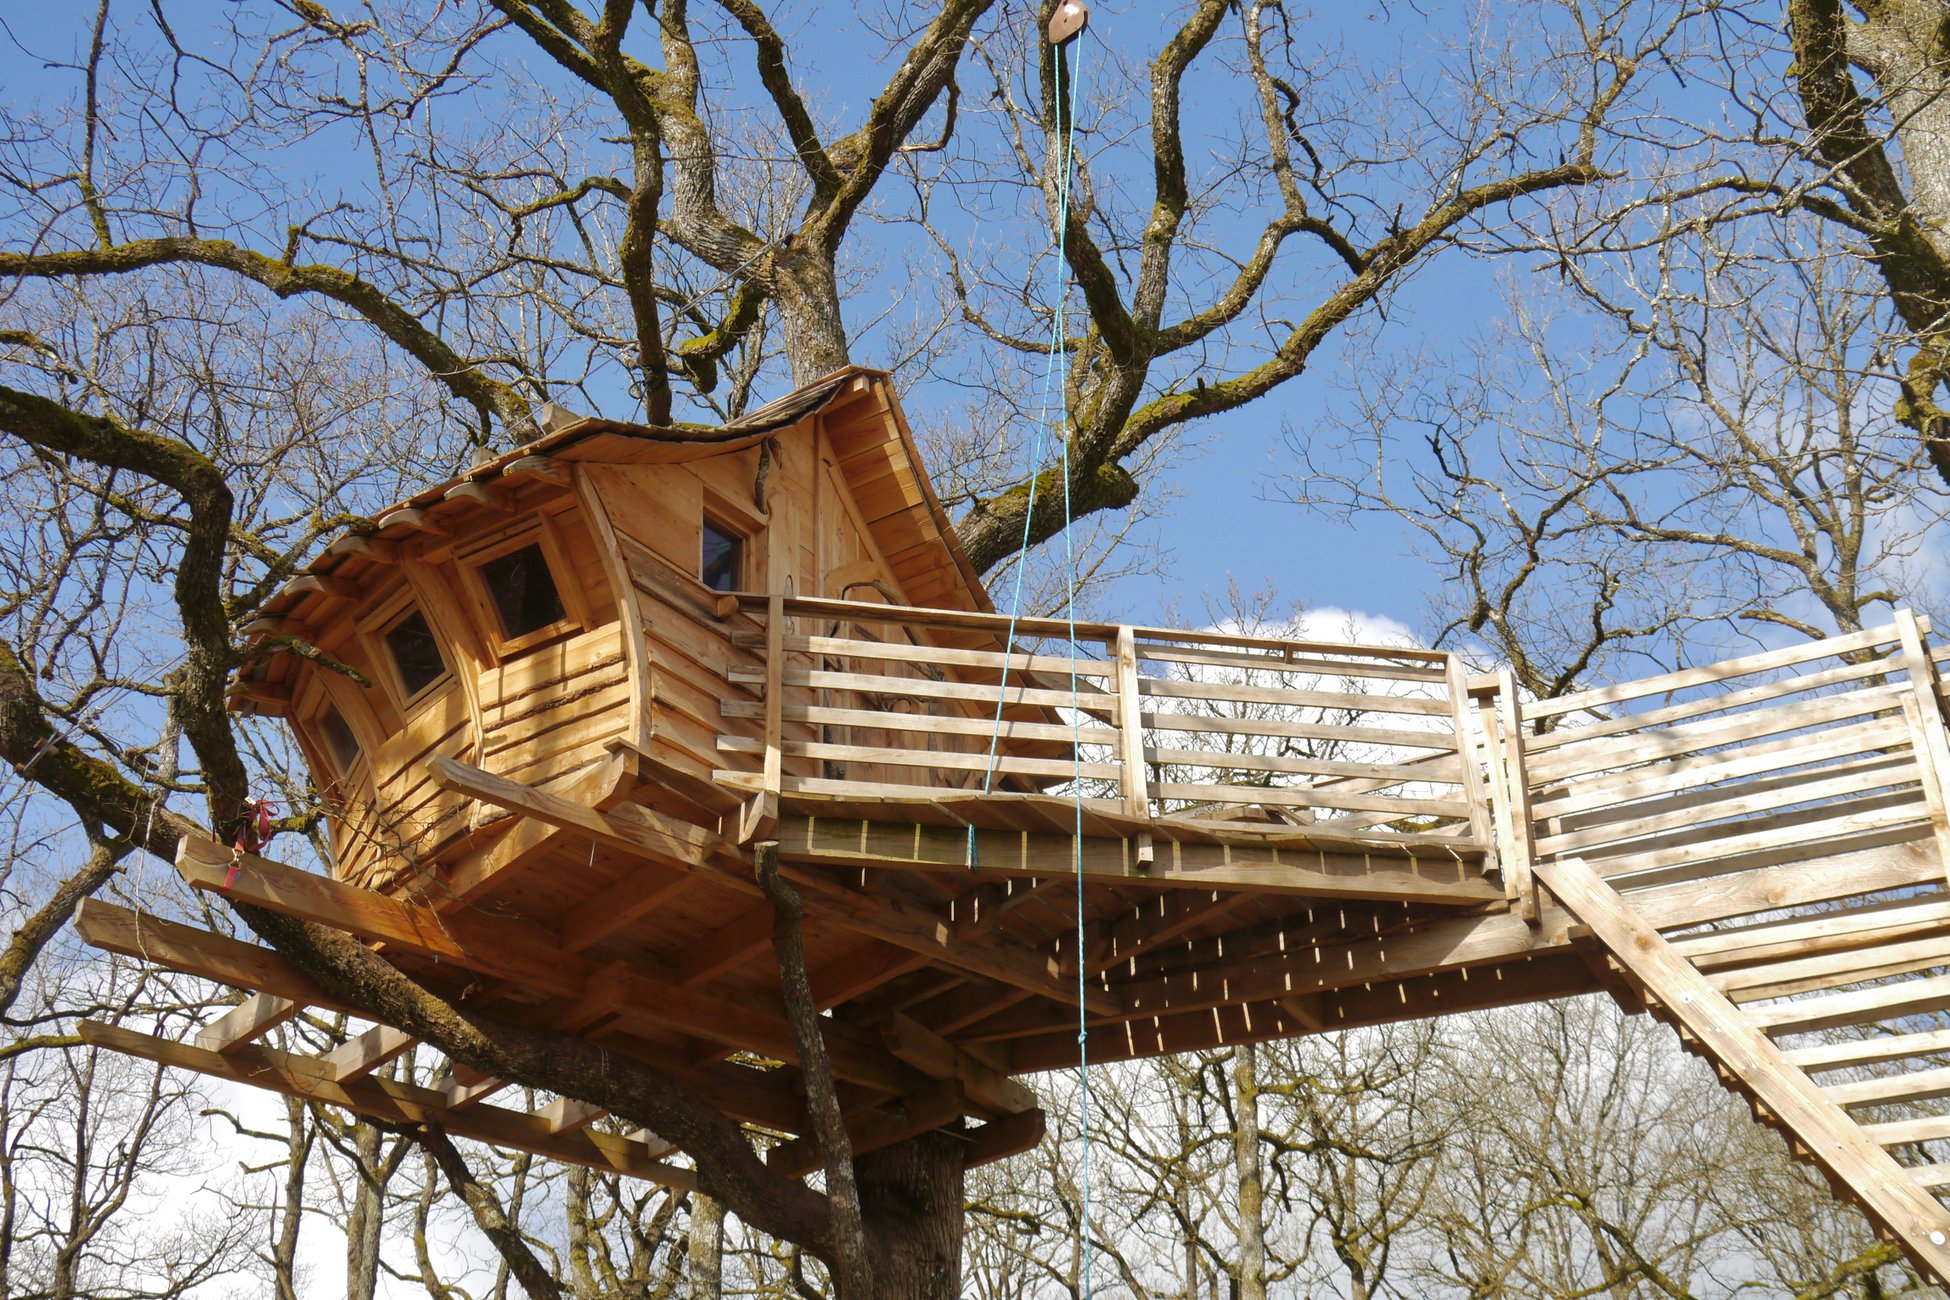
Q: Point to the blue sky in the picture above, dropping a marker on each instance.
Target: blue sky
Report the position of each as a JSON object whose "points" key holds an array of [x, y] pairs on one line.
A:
{"points": [[1222, 526]]}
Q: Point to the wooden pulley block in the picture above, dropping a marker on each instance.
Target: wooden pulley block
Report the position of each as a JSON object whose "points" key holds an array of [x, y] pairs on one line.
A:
{"points": [[1071, 17]]}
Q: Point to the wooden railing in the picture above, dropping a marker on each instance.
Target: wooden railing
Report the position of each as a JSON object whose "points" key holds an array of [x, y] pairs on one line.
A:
{"points": [[1809, 751], [1787, 756], [861, 702]]}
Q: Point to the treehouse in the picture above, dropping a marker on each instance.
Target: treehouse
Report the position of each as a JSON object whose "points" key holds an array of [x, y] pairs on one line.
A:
{"points": [[556, 706]]}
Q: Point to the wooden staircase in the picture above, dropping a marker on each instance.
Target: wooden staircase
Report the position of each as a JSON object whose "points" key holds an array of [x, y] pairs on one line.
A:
{"points": [[1820, 990], [1734, 995]]}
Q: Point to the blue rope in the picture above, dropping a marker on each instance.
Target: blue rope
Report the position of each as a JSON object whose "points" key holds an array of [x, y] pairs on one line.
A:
{"points": [[1057, 349], [1051, 365]]}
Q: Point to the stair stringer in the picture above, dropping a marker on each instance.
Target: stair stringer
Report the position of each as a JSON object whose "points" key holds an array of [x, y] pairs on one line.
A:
{"points": [[1853, 1161]]}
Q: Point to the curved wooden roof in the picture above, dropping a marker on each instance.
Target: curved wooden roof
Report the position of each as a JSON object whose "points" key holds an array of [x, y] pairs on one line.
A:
{"points": [[875, 456]]}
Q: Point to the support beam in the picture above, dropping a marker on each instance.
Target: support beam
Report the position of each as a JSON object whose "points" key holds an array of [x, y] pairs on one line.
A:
{"points": [[510, 949], [1377, 875], [891, 920], [639, 830], [245, 1023], [399, 1103], [358, 1057]]}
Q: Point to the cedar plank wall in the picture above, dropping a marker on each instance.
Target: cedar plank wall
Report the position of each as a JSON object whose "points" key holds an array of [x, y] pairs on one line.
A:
{"points": [[543, 714], [811, 540]]}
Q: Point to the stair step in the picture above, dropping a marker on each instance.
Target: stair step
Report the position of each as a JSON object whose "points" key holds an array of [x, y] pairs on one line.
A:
{"points": [[1895, 1133], [1832, 969], [1931, 1176], [1840, 1009], [1869, 1051], [1920, 1086], [1858, 927]]}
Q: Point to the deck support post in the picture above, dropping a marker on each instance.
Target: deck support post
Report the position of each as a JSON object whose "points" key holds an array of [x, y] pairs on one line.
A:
{"points": [[1130, 738], [1499, 715], [761, 811], [1923, 712]]}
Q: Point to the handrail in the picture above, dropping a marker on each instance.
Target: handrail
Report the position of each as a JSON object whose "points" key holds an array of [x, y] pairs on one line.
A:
{"points": [[1181, 723], [1761, 754], [917, 616]]}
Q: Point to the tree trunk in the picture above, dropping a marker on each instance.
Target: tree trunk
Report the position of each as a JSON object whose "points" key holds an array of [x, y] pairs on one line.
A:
{"points": [[911, 1205], [1246, 1160], [366, 1218], [807, 295], [1902, 46], [291, 1213], [706, 1248]]}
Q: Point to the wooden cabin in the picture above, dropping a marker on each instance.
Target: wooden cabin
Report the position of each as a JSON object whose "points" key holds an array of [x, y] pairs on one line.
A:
{"points": [[574, 598]]}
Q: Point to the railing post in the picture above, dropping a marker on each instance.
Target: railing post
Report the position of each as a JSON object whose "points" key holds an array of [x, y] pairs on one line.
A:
{"points": [[1472, 777], [1130, 737], [1923, 711], [761, 811], [1500, 716]]}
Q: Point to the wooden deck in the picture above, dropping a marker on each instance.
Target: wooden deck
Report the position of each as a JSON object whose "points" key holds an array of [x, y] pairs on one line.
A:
{"points": [[1265, 838]]}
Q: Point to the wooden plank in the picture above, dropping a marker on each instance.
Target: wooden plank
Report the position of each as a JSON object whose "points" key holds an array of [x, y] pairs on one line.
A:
{"points": [[931, 759], [245, 1023], [1924, 713], [882, 845], [1288, 662], [1523, 843], [727, 947], [1715, 803], [1922, 1085], [1830, 969], [1686, 678], [999, 624], [762, 810], [908, 652], [399, 1103], [1803, 936], [1844, 1150], [639, 830], [1016, 729], [1688, 749], [1693, 853], [479, 875], [1870, 1051], [875, 1130], [988, 1089], [1719, 702], [197, 952], [1474, 788], [1294, 697], [616, 908], [500, 946], [1132, 782], [1887, 1002], [358, 1057], [1001, 1138]]}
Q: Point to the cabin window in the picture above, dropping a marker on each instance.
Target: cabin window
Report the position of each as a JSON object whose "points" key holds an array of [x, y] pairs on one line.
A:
{"points": [[523, 591], [723, 565], [340, 742], [416, 654]]}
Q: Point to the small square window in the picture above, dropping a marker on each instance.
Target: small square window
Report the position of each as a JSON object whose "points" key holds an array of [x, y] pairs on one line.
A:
{"points": [[523, 591], [340, 743], [723, 564], [416, 653]]}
